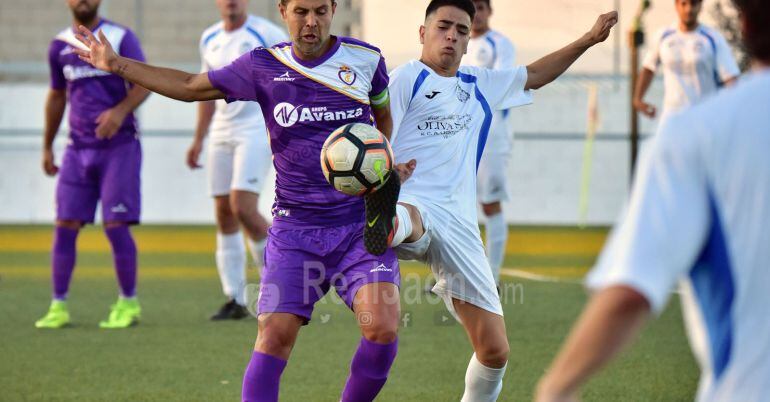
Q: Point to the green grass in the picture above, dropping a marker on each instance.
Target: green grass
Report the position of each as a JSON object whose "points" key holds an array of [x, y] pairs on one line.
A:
{"points": [[176, 354]]}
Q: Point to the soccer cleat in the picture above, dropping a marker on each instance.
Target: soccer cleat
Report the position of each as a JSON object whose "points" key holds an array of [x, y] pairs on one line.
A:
{"points": [[57, 317], [381, 216], [123, 314], [230, 311]]}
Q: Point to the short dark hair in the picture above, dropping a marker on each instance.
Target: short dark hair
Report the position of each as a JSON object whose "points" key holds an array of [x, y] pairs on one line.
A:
{"points": [[756, 27], [465, 5], [286, 2]]}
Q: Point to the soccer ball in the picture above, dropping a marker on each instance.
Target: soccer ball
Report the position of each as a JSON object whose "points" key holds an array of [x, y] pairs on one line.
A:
{"points": [[356, 159]]}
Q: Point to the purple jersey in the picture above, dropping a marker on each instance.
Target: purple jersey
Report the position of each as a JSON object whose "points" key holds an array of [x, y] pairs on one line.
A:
{"points": [[90, 91], [303, 102]]}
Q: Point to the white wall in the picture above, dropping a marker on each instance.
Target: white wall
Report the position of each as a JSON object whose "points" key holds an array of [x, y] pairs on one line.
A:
{"points": [[544, 172]]}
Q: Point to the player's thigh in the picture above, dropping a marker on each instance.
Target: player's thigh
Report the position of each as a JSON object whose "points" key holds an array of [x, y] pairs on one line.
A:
{"points": [[77, 189], [486, 331], [293, 278], [251, 163], [120, 184], [220, 166], [378, 311], [492, 178]]}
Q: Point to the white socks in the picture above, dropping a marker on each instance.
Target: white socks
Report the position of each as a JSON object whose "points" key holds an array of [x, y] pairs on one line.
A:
{"points": [[404, 228], [497, 237], [231, 264], [482, 384], [257, 250]]}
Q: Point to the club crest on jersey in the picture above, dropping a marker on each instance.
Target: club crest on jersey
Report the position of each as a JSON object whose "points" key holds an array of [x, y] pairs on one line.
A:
{"points": [[347, 75], [287, 115], [462, 95]]}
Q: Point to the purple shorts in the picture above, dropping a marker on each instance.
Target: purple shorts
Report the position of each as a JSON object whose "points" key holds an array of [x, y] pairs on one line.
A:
{"points": [[111, 175], [301, 265]]}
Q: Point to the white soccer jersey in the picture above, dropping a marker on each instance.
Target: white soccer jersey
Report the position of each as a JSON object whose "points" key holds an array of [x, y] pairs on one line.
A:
{"points": [[494, 51], [218, 48], [443, 123], [699, 212], [694, 64]]}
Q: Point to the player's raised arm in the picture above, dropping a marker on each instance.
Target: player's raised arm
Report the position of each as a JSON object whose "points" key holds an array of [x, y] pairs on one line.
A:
{"points": [[165, 81], [548, 68]]}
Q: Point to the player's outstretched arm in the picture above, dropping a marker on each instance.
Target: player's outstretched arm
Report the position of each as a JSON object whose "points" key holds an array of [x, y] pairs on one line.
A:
{"points": [[165, 81], [548, 68], [612, 319]]}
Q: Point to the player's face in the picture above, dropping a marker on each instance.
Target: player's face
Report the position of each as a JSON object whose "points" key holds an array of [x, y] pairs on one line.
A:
{"points": [[445, 37], [481, 20], [688, 11], [309, 23], [84, 10], [232, 8]]}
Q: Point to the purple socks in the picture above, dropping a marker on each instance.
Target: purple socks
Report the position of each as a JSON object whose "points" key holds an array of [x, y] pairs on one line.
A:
{"points": [[124, 255], [369, 370], [62, 261], [262, 377]]}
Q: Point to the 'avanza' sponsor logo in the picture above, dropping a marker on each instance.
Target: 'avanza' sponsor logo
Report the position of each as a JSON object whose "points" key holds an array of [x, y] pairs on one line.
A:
{"points": [[287, 115]]}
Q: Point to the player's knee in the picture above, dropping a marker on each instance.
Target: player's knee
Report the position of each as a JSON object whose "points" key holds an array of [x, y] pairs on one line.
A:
{"points": [[243, 211], [69, 224], [492, 209], [380, 333], [274, 342], [493, 355]]}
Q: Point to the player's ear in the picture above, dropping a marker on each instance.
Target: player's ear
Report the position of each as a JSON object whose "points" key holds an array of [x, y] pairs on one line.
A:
{"points": [[282, 9], [422, 34], [334, 7]]}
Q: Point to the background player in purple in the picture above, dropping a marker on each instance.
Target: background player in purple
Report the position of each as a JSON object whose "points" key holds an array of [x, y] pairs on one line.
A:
{"points": [[307, 89], [102, 160]]}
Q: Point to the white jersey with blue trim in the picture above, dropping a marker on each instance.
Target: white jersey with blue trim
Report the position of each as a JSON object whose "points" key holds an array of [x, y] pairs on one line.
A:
{"points": [[494, 51], [694, 64], [218, 48], [699, 212], [443, 123]]}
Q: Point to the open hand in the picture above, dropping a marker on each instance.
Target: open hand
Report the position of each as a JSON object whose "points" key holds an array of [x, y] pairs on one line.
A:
{"points": [[100, 53], [603, 26]]}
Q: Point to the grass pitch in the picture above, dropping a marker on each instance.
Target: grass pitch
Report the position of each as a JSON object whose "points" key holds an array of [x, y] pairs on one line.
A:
{"points": [[176, 354]]}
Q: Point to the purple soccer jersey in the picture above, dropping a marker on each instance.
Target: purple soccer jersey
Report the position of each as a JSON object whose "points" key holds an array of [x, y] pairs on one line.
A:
{"points": [[90, 91], [303, 102]]}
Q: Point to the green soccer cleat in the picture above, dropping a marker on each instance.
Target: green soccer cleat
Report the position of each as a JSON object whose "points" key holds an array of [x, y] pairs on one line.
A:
{"points": [[57, 317], [123, 314]]}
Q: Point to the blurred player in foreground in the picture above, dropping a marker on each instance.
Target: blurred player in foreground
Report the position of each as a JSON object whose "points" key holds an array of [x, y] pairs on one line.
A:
{"points": [[102, 161], [699, 213], [441, 117], [488, 48], [239, 154], [315, 241], [696, 61]]}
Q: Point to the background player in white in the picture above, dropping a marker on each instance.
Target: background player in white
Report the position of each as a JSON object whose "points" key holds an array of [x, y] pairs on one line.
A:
{"points": [[239, 155], [696, 60], [698, 212], [441, 118], [490, 49]]}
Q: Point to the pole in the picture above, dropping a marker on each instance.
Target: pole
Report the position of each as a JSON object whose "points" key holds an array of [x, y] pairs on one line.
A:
{"points": [[635, 41]]}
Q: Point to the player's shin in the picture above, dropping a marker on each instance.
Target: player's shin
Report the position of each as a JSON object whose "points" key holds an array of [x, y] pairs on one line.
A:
{"points": [[403, 226], [369, 370], [262, 377], [63, 261], [124, 256], [482, 383], [497, 237]]}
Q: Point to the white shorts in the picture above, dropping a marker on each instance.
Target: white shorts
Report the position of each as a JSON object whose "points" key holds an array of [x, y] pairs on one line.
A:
{"points": [[238, 163], [491, 179], [455, 253]]}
